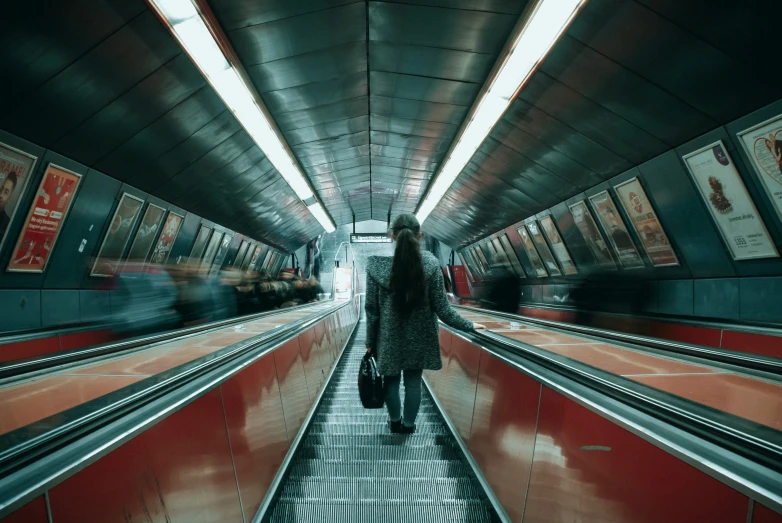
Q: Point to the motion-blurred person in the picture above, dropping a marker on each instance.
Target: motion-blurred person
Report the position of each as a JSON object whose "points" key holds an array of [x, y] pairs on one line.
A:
{"points": [[625, 292], [146, 298], [405, 296], [504, 288], [194, 298]]}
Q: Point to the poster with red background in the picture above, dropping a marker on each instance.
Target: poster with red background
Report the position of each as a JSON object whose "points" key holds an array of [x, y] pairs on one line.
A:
{"points": [[44, 220]]}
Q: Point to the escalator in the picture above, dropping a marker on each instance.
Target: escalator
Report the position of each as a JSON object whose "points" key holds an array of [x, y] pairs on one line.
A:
{"points": [[349, 467]]}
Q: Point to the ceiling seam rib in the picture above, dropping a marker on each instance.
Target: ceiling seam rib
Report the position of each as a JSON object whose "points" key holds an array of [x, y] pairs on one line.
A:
{"points": [[369, 109]]}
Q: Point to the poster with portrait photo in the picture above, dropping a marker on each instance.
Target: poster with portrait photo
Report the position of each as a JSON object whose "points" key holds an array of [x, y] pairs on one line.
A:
{"points": [[730, 205], [532, 252], [197, 252], [165, 242], [618, 235], [647, 225], [44, 220], [763, 145], [585, 223], [543, 250], [16, 169], [117, 237], [558, 246], [514, 259], [145, 235]]}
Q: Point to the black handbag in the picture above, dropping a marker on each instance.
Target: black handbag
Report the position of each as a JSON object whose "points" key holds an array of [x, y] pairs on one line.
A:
{"points": [[370, 384]]}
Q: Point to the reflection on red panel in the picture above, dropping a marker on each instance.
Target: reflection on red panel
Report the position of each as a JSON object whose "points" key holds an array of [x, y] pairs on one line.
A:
{"points": [[462, 379], [589, 469], [178, 470], [436, 378], [763, 514], [33, 512], [29, 349], [311, 362], [503, 430], [256, 426], [85, 339], [752, 343], [293, 385]]}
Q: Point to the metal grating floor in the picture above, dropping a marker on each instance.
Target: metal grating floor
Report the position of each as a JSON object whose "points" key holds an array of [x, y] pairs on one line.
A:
{"points": [[350, 468]]}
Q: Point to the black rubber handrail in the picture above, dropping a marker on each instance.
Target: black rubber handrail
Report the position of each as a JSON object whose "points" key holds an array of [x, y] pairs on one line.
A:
{"points": [[23, 367], [30, 465], [771, 367]]}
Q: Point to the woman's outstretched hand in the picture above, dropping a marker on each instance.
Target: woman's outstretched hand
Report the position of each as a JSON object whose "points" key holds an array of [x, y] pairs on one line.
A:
{"points": [[478, 326]]}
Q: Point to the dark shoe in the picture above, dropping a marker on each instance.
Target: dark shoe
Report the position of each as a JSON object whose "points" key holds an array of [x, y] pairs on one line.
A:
{"points": [[395, 426], [404, 429]]}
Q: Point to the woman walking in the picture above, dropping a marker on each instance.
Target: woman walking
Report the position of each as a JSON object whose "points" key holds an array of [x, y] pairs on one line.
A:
{"points": [[405, 296]]}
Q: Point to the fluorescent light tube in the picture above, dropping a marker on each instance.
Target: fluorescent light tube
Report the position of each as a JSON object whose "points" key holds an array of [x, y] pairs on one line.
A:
{"points": [[317, 211], [542, 29], [191, 31]]}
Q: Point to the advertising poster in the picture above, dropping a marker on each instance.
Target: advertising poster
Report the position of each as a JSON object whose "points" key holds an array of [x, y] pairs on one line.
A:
{"points": [[763, 145], [267, 260], [240, 254], [221, 252], [463, 257], [197, 252], [254, 258], [646, 223], [583, 219], [514, 260], [16, 169], [343, 282], [476, 262], [557, 245], [469, 259], [44, 220], [118, 236], [248, 256], [543, 250], [618, 235], [532, 253], [729, 203], [145, 235], [167, 237], [482, 257], [211, 249]]}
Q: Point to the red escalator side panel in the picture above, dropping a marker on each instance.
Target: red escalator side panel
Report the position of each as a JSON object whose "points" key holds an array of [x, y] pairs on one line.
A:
{"points": [[293, 385], [752, 343], [586, 468], [179, 470], [503, 430], [78, 340], [462, 381], [311, 362], [29, 349], [435, 378], [33, 512], [763, 514], [256, 427]]}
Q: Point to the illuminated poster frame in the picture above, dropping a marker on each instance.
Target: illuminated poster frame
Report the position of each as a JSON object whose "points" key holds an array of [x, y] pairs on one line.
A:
{"points": [[763, 145], [199, 246], [616, 231], [165, 241], [543, 249], [558, 247], [532, 252], [146, 221], [22, 164], [594, 239], [512, 256]]}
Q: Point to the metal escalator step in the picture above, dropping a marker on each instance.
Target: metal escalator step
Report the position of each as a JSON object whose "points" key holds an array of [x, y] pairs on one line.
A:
{"points": [[327, 469], [380, 452], [290, 511], [367, 416], [396, 440], [372, 428], [381, 489]]}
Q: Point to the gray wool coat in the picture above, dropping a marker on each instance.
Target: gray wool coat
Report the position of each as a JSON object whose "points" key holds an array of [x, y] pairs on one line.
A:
{"points": [[412, 342]]}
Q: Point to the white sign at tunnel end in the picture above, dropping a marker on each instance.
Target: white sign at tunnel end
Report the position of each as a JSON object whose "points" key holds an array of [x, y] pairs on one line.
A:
{"points": [[724, 193], [369, 238]]}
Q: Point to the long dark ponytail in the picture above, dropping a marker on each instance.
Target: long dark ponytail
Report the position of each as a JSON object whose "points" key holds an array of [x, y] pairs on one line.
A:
{"points": [[408, 284]]}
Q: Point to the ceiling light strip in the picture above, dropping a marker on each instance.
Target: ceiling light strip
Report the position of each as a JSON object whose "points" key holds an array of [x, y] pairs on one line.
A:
{"points": [[537, 34], [188, 25]]}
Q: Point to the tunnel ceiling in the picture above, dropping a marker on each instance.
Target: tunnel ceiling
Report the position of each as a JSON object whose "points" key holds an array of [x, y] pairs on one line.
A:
{"points": [[370, 96]]}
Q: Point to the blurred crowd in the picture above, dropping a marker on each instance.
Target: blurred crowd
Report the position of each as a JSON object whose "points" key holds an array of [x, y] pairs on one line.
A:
{"points": [[153, 298]]}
